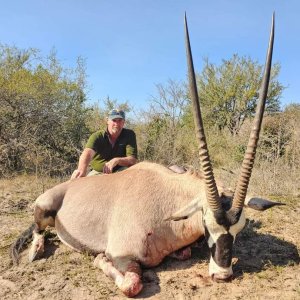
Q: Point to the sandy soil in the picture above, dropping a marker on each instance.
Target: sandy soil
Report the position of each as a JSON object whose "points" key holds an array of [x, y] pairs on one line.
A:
{"points": [[266, 259]]}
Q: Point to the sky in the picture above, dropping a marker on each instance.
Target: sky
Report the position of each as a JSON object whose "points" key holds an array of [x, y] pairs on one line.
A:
{"points": [[130, 46]]}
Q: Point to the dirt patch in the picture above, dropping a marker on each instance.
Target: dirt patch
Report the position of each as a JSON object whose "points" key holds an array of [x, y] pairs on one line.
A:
{"points": [[266, 259]]}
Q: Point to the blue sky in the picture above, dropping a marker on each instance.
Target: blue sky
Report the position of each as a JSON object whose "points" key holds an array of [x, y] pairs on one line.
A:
{"points": [[131, 45]]}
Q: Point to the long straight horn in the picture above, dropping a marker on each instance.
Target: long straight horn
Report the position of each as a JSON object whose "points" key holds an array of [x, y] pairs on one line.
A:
{"points": [[211, 187], [243, 182]]}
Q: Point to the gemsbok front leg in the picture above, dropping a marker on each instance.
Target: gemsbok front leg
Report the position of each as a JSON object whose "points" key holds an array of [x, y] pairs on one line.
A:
{"points": [[125, 272]]}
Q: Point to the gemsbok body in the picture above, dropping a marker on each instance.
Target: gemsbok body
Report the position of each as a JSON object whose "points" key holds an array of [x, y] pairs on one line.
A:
{"points": [[127, 219]]}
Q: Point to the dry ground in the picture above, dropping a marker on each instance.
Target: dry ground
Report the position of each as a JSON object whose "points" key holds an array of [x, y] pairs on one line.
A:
{"points": [[266, 259]]}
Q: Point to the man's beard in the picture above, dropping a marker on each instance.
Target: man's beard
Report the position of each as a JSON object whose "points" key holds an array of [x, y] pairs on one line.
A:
{"points": [[115, 130]]}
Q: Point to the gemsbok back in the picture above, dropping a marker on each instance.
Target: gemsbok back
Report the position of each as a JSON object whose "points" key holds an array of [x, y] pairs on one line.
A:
{"points": [[126, 219]]}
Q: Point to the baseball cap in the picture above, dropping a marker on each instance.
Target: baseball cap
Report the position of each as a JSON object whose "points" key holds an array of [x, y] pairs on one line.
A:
{"points": [[116, 114]]}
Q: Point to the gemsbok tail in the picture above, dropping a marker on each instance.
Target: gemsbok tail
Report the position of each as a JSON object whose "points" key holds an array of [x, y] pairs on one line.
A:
{"points": [[19, 244]]}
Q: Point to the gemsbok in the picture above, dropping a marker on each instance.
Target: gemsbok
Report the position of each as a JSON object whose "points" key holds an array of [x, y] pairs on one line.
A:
{"points": [[126, 219]]}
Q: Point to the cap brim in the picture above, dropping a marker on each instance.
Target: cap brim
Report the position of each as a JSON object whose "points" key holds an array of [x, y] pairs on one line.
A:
{"points": [[115, 117]]}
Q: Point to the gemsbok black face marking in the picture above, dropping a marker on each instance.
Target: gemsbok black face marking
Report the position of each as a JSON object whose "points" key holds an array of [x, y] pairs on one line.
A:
{"points": [[221, 251], [124, 218]]}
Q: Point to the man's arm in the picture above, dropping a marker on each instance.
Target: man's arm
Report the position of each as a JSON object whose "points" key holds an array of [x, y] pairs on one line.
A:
{"points": [[84, 161], [121, 161]]}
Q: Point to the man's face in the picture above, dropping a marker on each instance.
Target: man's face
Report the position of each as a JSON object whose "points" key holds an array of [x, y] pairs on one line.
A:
{"points": [[115, 126]]}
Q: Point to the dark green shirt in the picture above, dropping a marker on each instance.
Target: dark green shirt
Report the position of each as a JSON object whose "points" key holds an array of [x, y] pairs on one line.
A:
{"points": [[124, 146]]}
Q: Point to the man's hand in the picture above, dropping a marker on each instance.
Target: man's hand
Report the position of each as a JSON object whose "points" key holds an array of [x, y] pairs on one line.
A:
{"points": [[76, 174], [84, 160], [108, 167]]}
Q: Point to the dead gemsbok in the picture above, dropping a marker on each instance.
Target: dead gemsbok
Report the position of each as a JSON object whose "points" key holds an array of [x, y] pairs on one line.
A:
{"points": [[126, 219]]}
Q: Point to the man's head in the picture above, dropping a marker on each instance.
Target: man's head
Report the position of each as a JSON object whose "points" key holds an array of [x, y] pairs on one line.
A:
{"points": [[115, 122]]}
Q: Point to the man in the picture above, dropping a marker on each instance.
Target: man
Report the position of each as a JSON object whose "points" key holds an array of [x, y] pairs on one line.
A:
{"points": [[109, 150]]}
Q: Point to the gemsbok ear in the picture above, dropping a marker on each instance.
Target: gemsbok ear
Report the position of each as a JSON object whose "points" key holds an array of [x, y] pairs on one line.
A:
{"points": [[261, 204], [186, 212]]}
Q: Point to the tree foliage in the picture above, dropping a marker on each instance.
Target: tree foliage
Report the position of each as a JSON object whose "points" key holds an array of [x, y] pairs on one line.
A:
{"points": [[163, 134], [281, 137], [229, 92], [42, 112]]}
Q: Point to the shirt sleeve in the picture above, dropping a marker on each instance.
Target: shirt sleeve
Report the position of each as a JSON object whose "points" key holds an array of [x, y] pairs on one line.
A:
{"points": [[131, 147], [92, 141]]}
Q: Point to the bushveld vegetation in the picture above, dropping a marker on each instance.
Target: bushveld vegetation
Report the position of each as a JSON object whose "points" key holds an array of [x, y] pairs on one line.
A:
{"points": [[45, 119]]}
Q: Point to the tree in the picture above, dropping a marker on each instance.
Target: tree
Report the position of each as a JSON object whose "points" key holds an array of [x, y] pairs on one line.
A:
{"points": [[229, 92], [163, 132], [42, 112], [281, 137]]}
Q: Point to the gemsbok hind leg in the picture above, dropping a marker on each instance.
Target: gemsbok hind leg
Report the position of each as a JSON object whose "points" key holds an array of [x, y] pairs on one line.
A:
{"points": [[46, 208], [125, 272], [34, 233], [182, 254], [45, 211], [37, 245], [43, 218]]}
